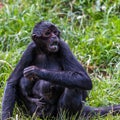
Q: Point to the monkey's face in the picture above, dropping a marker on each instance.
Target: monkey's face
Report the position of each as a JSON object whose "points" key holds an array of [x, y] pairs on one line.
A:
{"points": [[46, 36]]}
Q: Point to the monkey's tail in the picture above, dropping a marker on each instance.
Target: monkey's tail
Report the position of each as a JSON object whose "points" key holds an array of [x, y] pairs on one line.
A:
{"points": [[102, 111]]}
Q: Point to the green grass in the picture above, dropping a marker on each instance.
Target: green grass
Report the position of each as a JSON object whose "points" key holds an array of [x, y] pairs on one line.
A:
{"points": [[90, 27]]}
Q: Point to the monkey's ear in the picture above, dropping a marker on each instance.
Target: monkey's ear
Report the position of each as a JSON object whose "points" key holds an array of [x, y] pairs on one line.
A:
{"points": [[34, 37], [59, 32]]}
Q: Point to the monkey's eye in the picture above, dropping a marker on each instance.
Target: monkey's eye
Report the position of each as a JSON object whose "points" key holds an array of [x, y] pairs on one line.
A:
{"points": [[47, 33], [55, 32]]}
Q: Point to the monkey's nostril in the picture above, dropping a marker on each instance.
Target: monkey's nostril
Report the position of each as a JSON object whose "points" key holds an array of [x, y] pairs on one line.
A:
{"points": [[55, 43]]}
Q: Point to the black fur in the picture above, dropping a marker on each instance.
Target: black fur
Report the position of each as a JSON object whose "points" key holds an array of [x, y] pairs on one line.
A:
{"points": [[48, 78]]}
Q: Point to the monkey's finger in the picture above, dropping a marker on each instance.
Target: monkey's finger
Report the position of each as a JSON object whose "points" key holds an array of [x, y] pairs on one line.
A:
{"points": [[29, 76], [27, 70], [34, 100], [30, 71], [41, 98], [31, 67], [40, 104]]}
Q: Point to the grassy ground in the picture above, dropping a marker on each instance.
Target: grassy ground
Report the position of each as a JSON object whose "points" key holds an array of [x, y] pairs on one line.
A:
{"points": [[90, 27]]}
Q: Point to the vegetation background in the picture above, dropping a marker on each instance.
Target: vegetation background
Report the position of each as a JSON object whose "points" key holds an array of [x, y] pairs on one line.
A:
{"points": [[90, 27]]}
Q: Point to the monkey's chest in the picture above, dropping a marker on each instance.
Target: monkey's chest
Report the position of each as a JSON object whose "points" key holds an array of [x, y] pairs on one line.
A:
{"points": [[49, 63], [44, 88]]}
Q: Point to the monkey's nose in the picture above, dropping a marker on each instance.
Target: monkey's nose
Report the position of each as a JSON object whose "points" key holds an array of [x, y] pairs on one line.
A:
{"points": [[53, 35]]}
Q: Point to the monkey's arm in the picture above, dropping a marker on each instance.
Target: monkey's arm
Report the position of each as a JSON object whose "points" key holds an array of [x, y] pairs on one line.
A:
{"points": [[72, 76], [10, 89], [70, 79]]}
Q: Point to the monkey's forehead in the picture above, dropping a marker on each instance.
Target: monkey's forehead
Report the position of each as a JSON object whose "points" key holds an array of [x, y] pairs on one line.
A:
{"points": [[41, 26], [47, 25]]}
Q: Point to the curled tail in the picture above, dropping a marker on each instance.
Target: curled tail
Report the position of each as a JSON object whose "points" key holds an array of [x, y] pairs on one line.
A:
{"points": [[102, 111]]}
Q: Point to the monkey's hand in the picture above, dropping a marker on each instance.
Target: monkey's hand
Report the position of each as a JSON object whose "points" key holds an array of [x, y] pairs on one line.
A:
{"points": [[31, 73], [42, 102]]}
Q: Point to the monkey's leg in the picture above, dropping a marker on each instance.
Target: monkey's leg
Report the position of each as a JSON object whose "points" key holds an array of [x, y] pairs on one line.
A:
{"points": [[102, 111]]}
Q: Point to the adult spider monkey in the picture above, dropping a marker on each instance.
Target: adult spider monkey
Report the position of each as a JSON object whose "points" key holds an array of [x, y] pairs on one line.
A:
{"points": [[48, 78]]}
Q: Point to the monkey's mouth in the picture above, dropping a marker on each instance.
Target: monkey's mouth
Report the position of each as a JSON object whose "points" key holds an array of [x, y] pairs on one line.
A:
{"points": [[53, 47]]}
